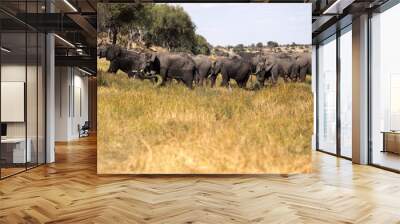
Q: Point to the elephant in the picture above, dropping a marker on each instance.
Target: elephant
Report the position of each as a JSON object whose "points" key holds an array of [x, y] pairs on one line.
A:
{"points": [[231, 68], [303, 66], [130, 62], [204, 67], [288, 67], [267, 69], [253, 59], [179, 66], [101, 51], [273, 67]]}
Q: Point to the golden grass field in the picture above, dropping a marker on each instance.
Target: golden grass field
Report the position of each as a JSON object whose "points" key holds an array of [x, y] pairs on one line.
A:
{"points": [[173, 130]]}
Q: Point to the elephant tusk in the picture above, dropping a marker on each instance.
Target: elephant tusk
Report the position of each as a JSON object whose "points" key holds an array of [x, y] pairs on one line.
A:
{"points": [[257, 85], [159, 80]]}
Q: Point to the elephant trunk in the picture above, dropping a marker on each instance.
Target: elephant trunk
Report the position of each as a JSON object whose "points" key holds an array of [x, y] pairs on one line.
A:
{"points": [[159, 80], [257, 85]]}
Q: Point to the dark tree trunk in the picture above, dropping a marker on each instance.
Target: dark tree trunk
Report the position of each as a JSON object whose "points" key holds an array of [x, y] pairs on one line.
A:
{"points": [[114, 36]]}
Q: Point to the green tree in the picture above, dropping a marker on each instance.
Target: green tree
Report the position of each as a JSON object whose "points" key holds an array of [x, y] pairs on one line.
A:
{"points": [[272, 44], [151, 24], [116, 18], [259, 45], [201, 46], [171, 28], [238, 48]]}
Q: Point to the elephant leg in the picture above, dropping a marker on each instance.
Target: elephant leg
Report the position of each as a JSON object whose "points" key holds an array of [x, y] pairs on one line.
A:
{"points": [[259, 84], [274, 78], [139, 75], [132, 74], [260, 80], [242, 83], [286, 78], [213, 78], [164, 76], [168, 80], [294, 76], [188, 80], [201, 79], [225, 80], [188, 83], [197, 79], [205, 80], [113, 68], [302, 76]]}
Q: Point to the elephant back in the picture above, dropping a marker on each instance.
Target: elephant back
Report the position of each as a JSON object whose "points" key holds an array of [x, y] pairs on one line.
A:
{"points": [[176, 60]]}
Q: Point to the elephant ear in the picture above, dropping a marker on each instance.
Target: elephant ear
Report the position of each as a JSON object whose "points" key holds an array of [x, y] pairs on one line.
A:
{"points": [[268, 64], [153, 61], [101, 52], [213, 63], [111, 52], [156, 61], [153, 57], [297, 56], [118, 51]]}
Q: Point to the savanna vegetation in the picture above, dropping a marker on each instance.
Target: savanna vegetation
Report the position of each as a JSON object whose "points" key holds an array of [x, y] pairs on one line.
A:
{"points": [[146, 25], [144, 129]]}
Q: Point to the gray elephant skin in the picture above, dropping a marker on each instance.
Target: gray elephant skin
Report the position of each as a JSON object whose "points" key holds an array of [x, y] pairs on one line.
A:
{"points": [[130, 62], [303, 66], [197, 68], [275, 66], [231, 68], [179, 66], [204, 67], [253, 58]]}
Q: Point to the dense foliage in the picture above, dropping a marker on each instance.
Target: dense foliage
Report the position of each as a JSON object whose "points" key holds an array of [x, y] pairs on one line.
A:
{"points": [[204, 130], [272, 44], [162, 25]]}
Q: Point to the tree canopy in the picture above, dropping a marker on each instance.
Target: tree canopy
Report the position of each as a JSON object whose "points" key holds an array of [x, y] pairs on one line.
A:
{"points": [[162, 25], [272, 44], [167, 26]]}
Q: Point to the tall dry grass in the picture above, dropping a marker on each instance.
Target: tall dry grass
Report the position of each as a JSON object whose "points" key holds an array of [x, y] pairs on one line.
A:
{"points": [[143, 129]]}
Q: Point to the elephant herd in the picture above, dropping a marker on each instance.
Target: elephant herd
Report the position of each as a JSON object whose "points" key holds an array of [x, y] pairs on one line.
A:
{"points": [[196, 69]]}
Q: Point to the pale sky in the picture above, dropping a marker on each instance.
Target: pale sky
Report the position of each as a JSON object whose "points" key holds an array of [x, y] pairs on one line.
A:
{"points": [[247, 23]]}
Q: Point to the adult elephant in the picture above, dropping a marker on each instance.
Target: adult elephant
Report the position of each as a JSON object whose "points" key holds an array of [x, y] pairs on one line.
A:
{"points": [[179, 66], [204, 67], [131, 62], [101, 51], [231, 68], [273, 67], [288, 66], [253, 59], [303, 66]]}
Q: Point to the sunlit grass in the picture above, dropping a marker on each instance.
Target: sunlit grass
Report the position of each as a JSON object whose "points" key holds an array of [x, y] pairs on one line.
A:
{"points": [[143, 129]]}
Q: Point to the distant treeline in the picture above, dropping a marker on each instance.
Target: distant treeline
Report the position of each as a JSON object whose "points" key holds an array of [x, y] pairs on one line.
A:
{"points": [[162, 25], [259, 46]]}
